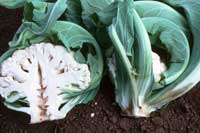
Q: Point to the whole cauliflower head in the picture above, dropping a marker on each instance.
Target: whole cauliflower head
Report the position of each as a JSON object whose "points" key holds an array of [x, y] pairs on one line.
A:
{"points": [[40, 73]]}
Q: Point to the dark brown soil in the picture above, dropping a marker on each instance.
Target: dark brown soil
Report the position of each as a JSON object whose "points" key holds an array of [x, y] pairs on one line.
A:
{"points": [[182, 115]]}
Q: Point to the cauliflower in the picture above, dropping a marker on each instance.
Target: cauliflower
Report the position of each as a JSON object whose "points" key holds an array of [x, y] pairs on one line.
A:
{"points": [[158, 67], [39, 74], [112, 67]]}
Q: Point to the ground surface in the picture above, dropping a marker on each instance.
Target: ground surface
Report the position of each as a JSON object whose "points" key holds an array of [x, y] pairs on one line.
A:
{"points": [[182, 115]]}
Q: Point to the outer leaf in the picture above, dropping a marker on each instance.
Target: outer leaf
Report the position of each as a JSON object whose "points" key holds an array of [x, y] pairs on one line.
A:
{"points": [[39, 16], [73, 12], [96, 11], [174, 41], [96, 16], [131, 89], [12, 4], [190, 77], [151, 8], [163, 22]]}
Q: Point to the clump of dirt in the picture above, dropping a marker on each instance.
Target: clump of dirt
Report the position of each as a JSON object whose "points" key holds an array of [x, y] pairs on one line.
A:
{"points": [[102, 114]]}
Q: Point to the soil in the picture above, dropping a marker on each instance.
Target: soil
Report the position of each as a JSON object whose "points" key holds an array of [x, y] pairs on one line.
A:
{"points": [[102, 114]]}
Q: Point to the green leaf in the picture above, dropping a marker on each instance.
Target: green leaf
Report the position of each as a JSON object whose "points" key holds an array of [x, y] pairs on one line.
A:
{"points": [[174, 41], [73, 12], [158, 9], [190, 77], [12, 4], [132, 49], [39, 16], [98, 11]]}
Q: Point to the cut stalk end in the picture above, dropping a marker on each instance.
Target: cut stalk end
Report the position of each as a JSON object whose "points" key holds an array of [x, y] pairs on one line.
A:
{"points": [[138, 111]]}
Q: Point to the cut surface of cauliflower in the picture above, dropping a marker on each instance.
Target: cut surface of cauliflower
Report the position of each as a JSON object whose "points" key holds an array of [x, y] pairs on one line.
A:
{"points": [[40, 73]]}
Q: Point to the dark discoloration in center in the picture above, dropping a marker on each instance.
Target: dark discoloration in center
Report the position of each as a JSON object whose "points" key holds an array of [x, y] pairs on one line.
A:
{"points": [[43, 100]]}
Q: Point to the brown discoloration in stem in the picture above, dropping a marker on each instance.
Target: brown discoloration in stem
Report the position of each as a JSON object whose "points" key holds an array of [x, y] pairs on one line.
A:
{"points": [[43, 100]]}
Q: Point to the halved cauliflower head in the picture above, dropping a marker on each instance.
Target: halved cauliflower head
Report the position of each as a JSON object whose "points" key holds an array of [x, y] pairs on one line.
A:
{"points": [[40, 73]]}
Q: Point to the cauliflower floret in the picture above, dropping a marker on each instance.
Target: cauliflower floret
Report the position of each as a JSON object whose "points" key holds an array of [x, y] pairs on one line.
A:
{"points": [[158, 67], [112, 67], [40, 73]]}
